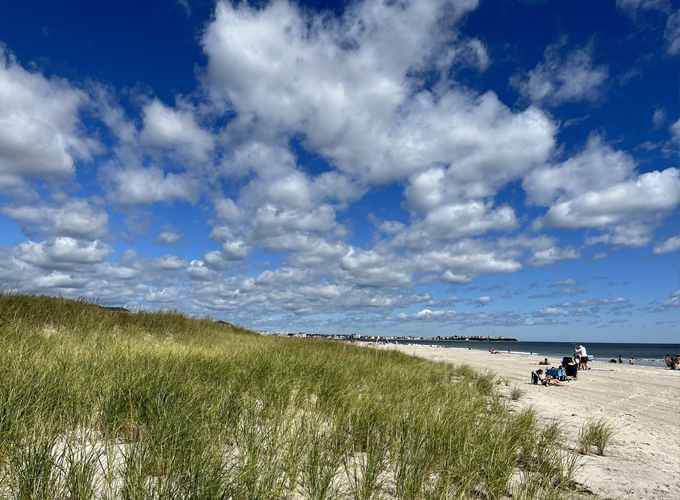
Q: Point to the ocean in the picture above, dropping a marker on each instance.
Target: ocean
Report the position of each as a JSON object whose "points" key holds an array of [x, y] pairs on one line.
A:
{"points": [[642, 354]]}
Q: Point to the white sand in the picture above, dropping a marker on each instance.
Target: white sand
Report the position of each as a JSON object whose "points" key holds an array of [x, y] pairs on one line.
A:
{"points": [[642, 403]]}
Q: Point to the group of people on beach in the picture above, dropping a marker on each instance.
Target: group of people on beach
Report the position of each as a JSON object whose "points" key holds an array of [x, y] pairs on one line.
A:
{"points": [[581, 357], [672, 363], [630, 361]]}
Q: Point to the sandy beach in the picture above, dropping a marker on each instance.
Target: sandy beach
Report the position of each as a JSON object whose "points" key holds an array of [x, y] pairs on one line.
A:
{"points": [[642, 403]]}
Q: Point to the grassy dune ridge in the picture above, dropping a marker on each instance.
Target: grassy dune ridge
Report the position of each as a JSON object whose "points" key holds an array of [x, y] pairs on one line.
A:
{"points": [[95, 404]]}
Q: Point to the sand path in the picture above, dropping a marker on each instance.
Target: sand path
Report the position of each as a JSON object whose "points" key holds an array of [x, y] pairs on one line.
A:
{"points": [[642, 403]]}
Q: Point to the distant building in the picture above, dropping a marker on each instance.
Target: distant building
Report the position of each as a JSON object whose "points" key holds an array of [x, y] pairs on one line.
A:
{"points": [[117, 309]]}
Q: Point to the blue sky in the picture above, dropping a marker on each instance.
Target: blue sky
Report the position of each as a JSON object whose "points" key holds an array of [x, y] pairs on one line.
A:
{"points": [[432, 167]]}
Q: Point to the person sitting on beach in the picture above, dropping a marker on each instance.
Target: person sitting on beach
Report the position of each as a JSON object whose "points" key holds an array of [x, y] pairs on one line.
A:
{"points": [[545, 379], [544, 362], [492, 350]]}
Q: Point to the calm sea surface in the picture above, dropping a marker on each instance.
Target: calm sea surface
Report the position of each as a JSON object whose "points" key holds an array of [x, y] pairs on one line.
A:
{"points": [[643, 354]]}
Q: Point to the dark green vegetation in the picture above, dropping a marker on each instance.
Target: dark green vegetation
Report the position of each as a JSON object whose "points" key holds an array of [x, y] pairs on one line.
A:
{"points": [[95, 404]]}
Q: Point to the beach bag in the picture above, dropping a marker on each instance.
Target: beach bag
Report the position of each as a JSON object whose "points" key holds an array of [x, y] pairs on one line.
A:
{"points": [[534, 378], [571, 370]]}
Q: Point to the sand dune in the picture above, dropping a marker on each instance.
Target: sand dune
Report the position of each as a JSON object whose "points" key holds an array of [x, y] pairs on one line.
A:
{"points": [[642, 403]]}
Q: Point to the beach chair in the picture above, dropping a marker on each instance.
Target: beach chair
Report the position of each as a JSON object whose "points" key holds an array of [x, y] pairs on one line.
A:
{"points": [[557, 372]]}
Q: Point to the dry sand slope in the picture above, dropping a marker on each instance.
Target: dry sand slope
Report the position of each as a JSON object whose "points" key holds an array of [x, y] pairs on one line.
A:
{"points": [[642, 403]]}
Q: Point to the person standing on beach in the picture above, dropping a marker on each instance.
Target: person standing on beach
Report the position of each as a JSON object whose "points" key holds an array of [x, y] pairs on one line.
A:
{"points": [[630, 361], [582, 356], [620, 359]]}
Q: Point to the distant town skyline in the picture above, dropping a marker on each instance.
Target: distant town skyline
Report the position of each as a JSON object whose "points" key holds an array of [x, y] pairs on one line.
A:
{"points": [[428, 168]]}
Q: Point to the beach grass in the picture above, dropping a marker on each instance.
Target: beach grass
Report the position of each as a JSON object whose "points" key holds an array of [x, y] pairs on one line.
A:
{"points": [[516, 393], [595, 433], [154, 405]]}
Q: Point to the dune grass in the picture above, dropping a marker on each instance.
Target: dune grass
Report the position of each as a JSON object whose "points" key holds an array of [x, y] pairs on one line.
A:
{"points": [[95, 404], [595, 433]]}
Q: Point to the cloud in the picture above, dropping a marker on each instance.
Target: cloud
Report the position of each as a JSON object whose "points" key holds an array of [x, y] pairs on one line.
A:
{"points": [[40, 132], [169, 262], [369, 268], [271, 221], [67, 217], [498, 286], [659, 118], [346, 85], [674, 129], [639, 11], [296, 291], [177, 130], [443, 303], [550, 256], [597, 167], [672, 303], [57, 279], [169, 237], [598, 189], [558, 293], [592, 302], [198, 271], [449, 277], [670, 245], [470, 319], [568, 282], [63, 253], [559, 80], [456, 221], [598, 256], [652, 192], [550, 312], [163, 296], [672, 34], [481, 301], [135, 186]]}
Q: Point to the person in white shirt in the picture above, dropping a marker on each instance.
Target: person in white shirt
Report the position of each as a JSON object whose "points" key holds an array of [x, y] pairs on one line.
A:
{"points": [[582, 357]]}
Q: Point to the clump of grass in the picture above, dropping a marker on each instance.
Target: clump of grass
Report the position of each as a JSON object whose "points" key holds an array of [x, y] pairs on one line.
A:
{"points": [[516, 393], [160, 405], [595, 433]]}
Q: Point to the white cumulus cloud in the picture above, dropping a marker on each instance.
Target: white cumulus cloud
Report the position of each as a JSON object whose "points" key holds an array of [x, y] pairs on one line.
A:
{"points": [[559, 80]]}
